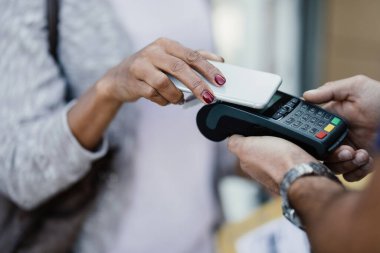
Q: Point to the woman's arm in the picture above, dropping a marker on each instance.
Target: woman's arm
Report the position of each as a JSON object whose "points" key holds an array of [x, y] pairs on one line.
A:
{"points": [[45, 144]]}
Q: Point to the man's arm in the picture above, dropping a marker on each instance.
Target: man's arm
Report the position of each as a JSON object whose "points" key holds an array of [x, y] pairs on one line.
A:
{"points": [[335, 219], [338, 220]]}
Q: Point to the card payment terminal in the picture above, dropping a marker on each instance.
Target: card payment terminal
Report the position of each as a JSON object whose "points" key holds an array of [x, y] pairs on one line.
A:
{"points": [[309, 126]]}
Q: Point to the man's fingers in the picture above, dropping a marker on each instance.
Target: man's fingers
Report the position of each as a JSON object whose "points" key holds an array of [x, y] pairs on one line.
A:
{"points": [[361, 157], [235, 142], [348, 162], [332, 91], [360, 173], [341, 154], [331, 107]]}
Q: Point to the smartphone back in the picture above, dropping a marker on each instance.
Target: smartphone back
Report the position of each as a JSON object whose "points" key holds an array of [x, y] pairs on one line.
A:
{"points": [[244, 86]]}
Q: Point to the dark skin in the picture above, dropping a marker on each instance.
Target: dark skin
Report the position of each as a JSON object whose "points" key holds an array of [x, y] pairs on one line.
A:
{"points": [[336, 220], [142, 75]]}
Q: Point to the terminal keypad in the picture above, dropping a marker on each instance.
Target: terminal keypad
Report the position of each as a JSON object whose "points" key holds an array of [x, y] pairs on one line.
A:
{"points": [[307, 118]]}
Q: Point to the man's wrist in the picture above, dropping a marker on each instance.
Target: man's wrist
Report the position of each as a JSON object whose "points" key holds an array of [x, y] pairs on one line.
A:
{"points": [[294, 174], [309, 195], [303, 185]]}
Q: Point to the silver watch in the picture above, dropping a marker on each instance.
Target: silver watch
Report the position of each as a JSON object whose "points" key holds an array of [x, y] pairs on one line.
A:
{"points": [[304, 169]]}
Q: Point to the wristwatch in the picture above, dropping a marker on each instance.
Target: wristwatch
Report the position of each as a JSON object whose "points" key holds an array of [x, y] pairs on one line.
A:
{"points": [[301, 170]]}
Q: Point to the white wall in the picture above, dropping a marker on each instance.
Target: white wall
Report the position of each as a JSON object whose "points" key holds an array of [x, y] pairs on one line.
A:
{"points": [[260, 34]]}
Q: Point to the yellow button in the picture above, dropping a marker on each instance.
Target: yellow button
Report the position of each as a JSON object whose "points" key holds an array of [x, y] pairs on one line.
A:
{"points": [[329, 128]]}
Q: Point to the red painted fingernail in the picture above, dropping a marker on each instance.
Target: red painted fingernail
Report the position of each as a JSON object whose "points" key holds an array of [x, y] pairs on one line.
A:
{"points": [[220, 79], [207, 96]]}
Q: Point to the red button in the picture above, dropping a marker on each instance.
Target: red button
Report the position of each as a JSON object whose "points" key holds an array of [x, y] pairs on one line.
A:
{"points": [[321, 135]]}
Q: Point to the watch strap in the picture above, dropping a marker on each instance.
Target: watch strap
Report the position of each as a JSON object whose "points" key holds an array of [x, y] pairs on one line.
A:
{"points": [[305, 169]]}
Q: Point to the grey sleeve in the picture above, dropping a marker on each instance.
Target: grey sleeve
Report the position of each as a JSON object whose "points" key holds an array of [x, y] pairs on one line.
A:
{"points": [[41, 158]]}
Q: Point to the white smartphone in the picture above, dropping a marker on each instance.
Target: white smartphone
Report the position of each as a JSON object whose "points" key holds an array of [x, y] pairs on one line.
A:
{"points": [[243, 86]]}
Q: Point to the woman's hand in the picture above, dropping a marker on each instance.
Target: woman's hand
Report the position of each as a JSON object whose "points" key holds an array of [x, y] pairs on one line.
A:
{"points": [[267, 159], [144, 74]]}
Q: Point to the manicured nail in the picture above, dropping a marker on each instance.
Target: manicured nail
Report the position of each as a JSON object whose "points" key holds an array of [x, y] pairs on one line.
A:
{"points": [[220, 80], [207, 97], [345, 155]]}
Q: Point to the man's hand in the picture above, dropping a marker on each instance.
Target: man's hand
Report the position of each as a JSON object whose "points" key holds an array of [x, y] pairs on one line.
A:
{"points": [[357, 100], [267, 159]]}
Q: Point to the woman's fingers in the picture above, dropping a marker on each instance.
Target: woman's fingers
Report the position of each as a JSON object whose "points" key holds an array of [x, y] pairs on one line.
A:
{"points": [[211, 56], [196, 61], [152, 84], [184, 73], [152, 65], [152, 94], [162, 84]]}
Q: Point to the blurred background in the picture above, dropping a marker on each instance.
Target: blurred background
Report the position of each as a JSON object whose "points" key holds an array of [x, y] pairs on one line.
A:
{"points": [[307, 42]]}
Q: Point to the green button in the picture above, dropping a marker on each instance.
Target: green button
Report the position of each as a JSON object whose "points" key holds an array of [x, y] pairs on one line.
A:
{"points": [[335, 121]]}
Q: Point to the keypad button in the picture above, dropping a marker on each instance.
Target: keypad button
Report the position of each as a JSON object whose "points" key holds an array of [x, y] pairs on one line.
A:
{"points": [[321, 123], [328, 116], [313, 110], [290, 104], [305, 127], [313, 120], [305, 117], [282, 111], [304, 107], [277, 116], [297, 124], [288, 108], [321, 135], [290, 121], [320, 113], [313, 130], [336, 121], [329, 128], [294, 100], [298, 114]]}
